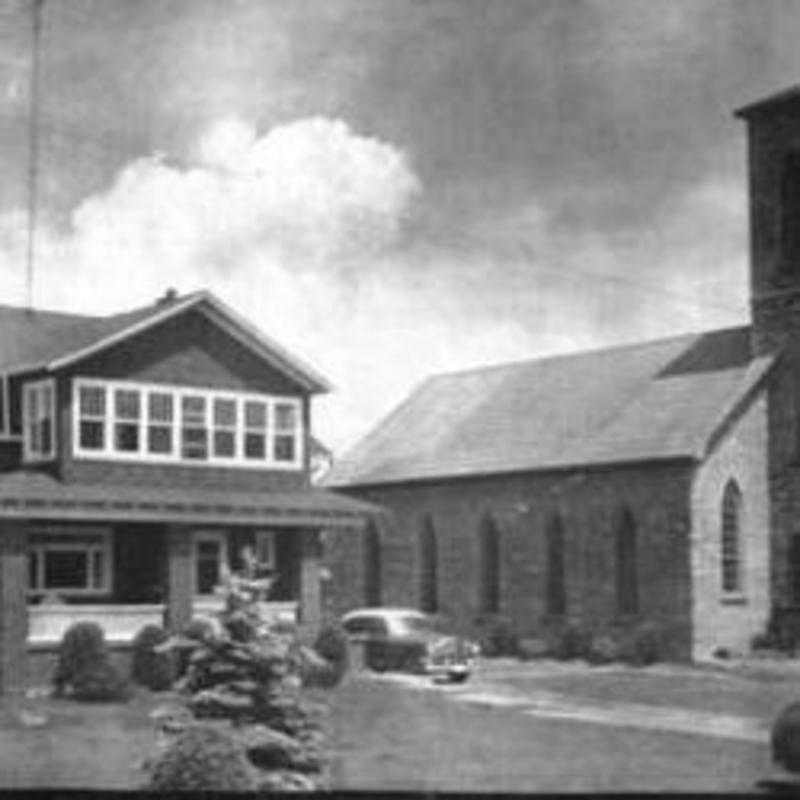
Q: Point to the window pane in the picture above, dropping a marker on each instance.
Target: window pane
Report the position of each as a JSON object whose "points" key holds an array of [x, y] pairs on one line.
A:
{"points": [[207, 576], [92, 401], [126, 404], [208, 549], [46, 434], [159, 439], [194, 443], [255, 414], [32, 403], [285, 417], [255, 445], [97, 569], [33, 569], [225, 412], [91, 435], [160, 407], [284, 448], [194, 409], [224, 444], [126, 437], [65, 569]]}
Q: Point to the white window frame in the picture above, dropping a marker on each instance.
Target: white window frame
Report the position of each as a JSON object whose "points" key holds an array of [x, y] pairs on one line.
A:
{"points": [[208, 535], [106, 548], [174, 456], [39, 386]]}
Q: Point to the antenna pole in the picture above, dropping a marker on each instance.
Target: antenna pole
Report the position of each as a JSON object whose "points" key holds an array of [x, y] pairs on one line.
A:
{"points": [[33, 146]]}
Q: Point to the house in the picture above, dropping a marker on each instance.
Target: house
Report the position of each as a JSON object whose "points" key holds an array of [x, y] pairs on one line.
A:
{"points": [[141, 454], [658, 482]]}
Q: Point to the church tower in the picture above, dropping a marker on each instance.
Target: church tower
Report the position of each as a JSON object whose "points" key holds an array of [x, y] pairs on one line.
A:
{"points": [[773, 127]]}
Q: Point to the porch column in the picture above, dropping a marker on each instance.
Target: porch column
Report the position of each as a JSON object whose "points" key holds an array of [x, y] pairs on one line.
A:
{"points": [[180, 578], [13, 606], [310, 594]]}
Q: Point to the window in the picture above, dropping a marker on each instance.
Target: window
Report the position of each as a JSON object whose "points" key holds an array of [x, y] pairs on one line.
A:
{"points": [[730, 549], [72, 561], [428, 567], [627, 572], [160, 421], [224, 428], [372, 565], [194, 432], [39, 415], [255, 429], [489, 600], [285, 435], [123, 420], [210, 557], [556, 596], [265, 549]]}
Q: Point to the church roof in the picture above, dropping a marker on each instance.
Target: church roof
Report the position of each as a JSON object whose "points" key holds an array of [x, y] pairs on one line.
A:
{"points": [[664, 399]]}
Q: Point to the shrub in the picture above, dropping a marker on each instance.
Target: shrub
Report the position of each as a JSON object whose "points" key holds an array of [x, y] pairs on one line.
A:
{"points": [[497, 637], [202, 758], [331, 645], [154, 670], [100, 683], [573, 642], [532, 648], [604, 650], [643, 646], [786, 738], [82, 648]]}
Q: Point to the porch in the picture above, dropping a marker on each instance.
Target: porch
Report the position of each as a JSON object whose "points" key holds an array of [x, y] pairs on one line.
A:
{"points": [[126, 557]]}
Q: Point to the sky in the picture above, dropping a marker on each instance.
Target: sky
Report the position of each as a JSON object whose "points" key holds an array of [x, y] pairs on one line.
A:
{"points": [[393, 188]]}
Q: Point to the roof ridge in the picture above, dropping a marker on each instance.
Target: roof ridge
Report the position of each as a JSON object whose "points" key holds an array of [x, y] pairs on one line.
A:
{"points": [[586, 352]]}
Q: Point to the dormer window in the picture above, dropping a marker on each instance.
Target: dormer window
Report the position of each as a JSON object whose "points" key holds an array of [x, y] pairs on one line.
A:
{"points": [[128, 421], [39, 413]]}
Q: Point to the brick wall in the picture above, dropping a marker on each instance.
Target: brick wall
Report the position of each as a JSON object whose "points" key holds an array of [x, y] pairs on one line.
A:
{"points": [[720, 619], [589, 503]]}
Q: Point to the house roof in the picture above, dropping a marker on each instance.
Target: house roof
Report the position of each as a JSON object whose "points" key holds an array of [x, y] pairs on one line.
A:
{"points": [[32, 340], [785, 97], [30, 494], [664, 399]]}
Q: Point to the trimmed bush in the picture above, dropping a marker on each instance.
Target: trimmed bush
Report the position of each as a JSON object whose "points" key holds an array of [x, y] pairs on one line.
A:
{"points": [[154, 670], [100, 683], [202, 758], [82, 648], [604, 650], [786, 738], [497, 637], [643, 646], [573, 642], [331, 645]]}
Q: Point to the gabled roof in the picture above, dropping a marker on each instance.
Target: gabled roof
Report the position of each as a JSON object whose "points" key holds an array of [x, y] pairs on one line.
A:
{"points": [[32, 340], [782, 99], [664, 399]]}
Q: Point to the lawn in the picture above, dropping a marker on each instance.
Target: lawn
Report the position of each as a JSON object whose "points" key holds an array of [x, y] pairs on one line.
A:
{"points": [[386, 736]]}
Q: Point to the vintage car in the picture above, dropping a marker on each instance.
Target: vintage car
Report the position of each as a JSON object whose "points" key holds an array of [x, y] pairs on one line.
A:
{"points": [[407, 640]]}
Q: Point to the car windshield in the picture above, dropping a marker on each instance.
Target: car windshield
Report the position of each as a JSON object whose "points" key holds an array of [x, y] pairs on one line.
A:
{"points": [[414, 623]]}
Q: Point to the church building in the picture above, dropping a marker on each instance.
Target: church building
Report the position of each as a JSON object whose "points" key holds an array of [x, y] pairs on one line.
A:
{"points": [[652, 483]]}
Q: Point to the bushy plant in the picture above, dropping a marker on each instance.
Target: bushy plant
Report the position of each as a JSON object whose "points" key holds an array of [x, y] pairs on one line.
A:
{"points": [[572, 642], [604, 650], [786, 738], [497, 636], [643, 645], [202, 758], [84, 669], [331, 645], [155, 670]]}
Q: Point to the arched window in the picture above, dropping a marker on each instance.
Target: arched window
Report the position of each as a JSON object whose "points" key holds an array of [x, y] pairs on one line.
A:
{"points": [[556, 597], [428, 566], [489, 599], [372, 565], [627, 568], [730, 545]]}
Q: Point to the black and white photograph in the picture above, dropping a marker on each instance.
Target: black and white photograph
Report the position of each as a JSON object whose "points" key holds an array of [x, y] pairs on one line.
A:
{"points": [[400, 395]]}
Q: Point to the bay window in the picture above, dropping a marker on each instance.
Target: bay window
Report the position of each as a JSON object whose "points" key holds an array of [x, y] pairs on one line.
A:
{"points": [[123, 420], [39, 414]]}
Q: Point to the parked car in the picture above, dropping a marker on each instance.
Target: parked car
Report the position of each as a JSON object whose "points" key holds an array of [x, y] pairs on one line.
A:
{"points": [[409, 641]]}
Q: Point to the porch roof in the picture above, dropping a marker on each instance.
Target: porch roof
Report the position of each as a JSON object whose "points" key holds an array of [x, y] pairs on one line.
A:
{"points": [[37, 495]]}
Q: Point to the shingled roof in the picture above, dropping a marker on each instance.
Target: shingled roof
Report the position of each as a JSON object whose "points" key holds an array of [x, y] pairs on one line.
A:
{"points": [[664, 399], [32, 340]]}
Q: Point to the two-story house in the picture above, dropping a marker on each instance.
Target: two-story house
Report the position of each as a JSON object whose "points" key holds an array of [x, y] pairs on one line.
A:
{"points": [[142, 454]]}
